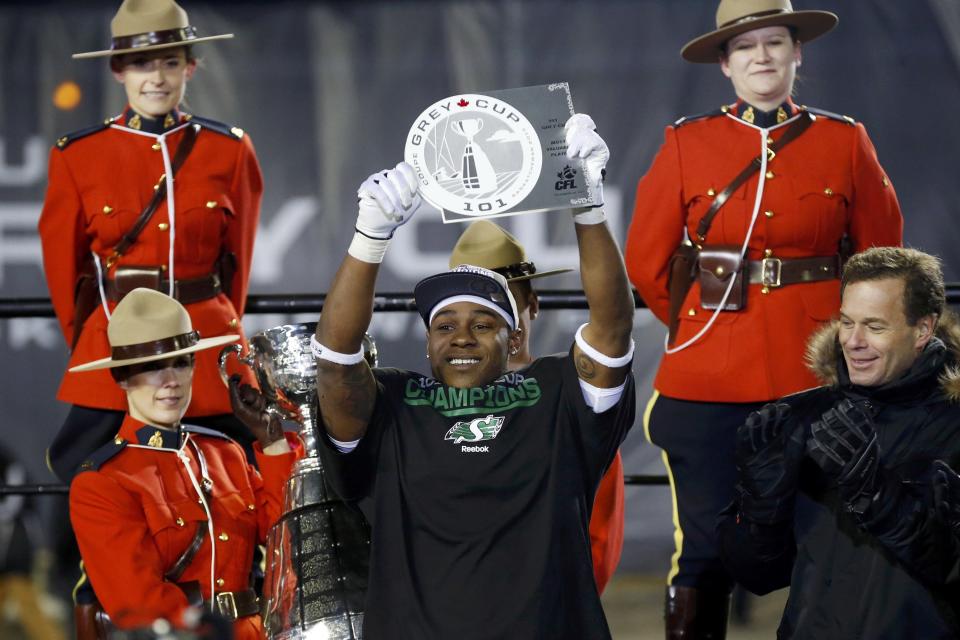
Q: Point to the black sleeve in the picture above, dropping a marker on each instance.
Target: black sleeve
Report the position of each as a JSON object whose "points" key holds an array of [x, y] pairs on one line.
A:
{"points": [[901, 517], [351, 474], [760, 557]]}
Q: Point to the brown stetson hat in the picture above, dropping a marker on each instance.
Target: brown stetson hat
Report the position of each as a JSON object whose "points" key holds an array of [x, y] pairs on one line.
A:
{"points": [[490, 246], [145, 25], [148, 325], [739, 16]]}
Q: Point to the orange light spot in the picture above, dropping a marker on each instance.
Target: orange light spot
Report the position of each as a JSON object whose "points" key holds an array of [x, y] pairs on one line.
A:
{"points": [[67, 95]]}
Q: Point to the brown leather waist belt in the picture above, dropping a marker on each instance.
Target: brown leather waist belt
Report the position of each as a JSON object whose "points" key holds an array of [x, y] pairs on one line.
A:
{"points": [[236, 604], [778, 272], [187, 290]]}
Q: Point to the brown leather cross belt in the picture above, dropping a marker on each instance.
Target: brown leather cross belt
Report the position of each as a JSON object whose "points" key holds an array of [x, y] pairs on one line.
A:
{"points": [[778, 272], [236, 604], [187, 290]]}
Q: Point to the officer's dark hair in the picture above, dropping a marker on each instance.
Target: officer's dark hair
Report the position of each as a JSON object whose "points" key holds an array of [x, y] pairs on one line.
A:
{"points": [[117, 62], [923, 291]]}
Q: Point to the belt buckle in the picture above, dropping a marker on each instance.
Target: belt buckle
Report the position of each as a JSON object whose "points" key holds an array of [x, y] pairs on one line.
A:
{"points": [[227, 605], [770, 272]]}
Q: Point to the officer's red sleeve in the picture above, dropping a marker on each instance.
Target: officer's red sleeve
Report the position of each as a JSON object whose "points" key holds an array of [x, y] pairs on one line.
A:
{"points": [[62, 239], [606, 524], [875, 218], [120, 555], [246, 191], [657, 227], [269, 482]]}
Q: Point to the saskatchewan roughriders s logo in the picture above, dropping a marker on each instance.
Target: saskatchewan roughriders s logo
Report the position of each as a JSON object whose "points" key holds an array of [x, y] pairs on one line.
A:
{"points": [[475, 430], [474, 155]]}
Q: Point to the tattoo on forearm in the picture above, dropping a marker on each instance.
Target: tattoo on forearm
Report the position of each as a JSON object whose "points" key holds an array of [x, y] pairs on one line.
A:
{"points": [[586, 367], [351, 389]]}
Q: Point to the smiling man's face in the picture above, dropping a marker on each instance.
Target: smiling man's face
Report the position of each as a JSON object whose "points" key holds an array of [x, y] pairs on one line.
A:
{"points": [[878, 343], [468, 345]]}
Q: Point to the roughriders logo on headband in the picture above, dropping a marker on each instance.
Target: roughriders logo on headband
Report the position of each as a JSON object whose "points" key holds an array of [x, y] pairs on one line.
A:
{"points": [[474, 155]]}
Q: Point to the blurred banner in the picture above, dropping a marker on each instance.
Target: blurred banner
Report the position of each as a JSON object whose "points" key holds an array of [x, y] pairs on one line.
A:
{"points": [[328, 91]]}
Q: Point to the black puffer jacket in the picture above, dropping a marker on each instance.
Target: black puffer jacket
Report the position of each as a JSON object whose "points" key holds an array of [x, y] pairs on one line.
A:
{"points": [[894, 570]]}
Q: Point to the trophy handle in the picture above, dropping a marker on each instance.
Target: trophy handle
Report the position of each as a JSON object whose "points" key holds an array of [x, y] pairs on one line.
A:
{"points": [[225, 355]]}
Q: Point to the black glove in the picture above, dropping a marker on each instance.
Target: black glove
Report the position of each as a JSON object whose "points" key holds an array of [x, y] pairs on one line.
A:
{"points": [[946, 494], [250, 407], [844, 444], [769, 448]]}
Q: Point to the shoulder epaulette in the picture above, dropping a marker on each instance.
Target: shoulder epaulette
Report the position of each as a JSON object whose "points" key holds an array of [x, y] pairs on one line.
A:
{"points": [[204, 431], [830, 114], [63, 141], [96, 459], [701, 116], [221, 128]]}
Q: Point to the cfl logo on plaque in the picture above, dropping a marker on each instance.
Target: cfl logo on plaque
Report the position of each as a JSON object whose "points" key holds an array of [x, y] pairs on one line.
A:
{"points": [[474, 155]]}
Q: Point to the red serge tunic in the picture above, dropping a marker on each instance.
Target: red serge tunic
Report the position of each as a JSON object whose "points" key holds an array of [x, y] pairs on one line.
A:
{"points": [[99, 182], [825, 183], [135, 515]]}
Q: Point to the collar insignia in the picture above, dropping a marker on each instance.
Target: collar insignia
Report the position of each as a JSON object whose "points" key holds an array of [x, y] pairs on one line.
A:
{"points": [[156, 440]]}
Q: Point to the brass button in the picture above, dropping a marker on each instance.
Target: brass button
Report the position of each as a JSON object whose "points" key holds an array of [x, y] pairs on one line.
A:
{"points": [[107, 209], [155, 146], [718, 270], [765, 290], [769, 175], [118, 440], [886, 182], [211, 204], [769, 214], [163, 226], [767, 253], [828, 192], [234, 323], [769, 140], [156, 186], [220, 582], [180, 522], [62, 142], [224, 537], [251, 507], [691, 311], [711, 192], [163, 268]]}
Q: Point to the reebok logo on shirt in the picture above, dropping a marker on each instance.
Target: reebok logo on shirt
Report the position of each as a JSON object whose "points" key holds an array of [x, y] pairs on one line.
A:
{"points": [[475, 430]]}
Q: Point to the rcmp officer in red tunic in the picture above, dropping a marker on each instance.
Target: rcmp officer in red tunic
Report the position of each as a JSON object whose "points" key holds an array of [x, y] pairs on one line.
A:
{"points": [[120, 212], [167, 515], [813, 183]]}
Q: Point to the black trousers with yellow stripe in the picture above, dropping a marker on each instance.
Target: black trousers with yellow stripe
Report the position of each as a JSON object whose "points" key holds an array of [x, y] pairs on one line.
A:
{"points": [[697, 439]]}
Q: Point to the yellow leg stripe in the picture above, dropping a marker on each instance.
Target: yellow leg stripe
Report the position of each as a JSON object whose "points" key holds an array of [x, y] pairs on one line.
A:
{"points": [[80, 582], [677, 531], [646, 415]]}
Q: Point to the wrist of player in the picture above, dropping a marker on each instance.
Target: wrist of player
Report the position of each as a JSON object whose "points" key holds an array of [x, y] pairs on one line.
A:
{"points": [[366, 248]]}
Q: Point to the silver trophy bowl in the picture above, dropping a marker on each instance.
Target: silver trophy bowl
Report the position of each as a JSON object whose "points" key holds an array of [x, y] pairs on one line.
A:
{"points": [[318, 551]]}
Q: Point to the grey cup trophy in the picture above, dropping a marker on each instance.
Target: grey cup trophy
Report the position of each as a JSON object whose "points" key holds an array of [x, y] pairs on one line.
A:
{"points": [[318, 551]]}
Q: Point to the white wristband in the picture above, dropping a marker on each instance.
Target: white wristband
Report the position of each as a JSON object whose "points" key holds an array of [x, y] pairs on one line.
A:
{"points": [[326, 353], [596, 356], [367, 249], [590, 216]]}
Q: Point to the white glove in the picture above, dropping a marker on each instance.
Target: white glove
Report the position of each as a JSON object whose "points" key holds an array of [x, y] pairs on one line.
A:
{"points": [[388, 199], [584, 143]]}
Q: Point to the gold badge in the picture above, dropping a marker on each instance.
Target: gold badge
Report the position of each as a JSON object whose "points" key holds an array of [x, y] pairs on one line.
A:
{"points": [[168, 121], [156, 440], [134, 122], [748, 115], [781, 115]]}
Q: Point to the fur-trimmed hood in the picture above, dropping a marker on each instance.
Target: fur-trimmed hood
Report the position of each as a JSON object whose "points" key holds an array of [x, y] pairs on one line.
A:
{"points": [[823, 354]]}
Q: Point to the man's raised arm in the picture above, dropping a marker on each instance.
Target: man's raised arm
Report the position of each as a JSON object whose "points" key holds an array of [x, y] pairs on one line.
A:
{"points": [[345, 384], [603, 348]]}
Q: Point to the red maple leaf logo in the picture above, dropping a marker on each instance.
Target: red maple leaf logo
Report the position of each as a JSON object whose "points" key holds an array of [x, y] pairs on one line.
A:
{"points": [[462, 103]]}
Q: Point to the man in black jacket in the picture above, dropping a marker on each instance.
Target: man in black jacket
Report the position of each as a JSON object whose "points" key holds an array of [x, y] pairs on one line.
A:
{"points": [[835, 494]]}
